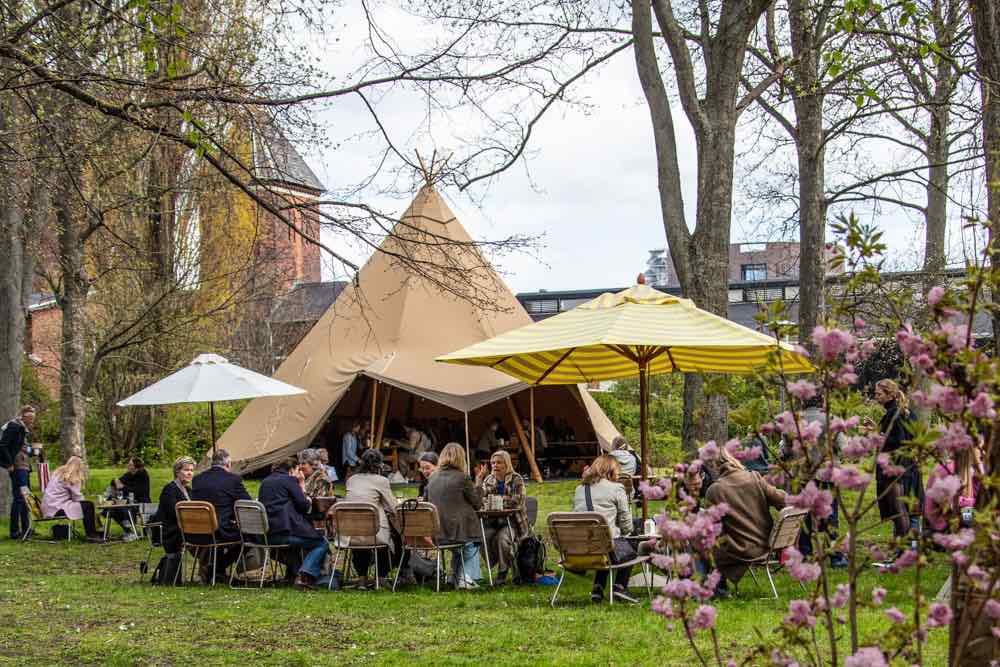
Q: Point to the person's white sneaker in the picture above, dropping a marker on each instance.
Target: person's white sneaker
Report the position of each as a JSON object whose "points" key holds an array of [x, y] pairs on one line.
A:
{"points": [[465, 585], [130, 537]]}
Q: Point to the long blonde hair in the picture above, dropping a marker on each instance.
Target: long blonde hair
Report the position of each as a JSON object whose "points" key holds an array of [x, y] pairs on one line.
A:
{"points": [[902, 402], [73, 472], [453, 456]]}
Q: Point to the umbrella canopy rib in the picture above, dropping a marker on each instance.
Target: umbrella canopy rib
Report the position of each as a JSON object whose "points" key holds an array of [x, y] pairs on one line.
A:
{"points": [[553, 366]]}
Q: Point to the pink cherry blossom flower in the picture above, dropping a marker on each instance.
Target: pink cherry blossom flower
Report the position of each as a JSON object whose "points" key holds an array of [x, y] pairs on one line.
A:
{"points": [[895, 615], [741, 453], [859, 323], [878, 595], [869, 656], [947, 399], [802, 389], [849, 477], [942, 490], [956, 541], [798, 569], [704, 618], [800, 614], [841, 597], [652, 492], [992, 608], [934, 295], [954, 438], [839, 425], [830, 343], [708, 452], [820, 503], [905, 560], [663, 606], [939, 615], [889, 468], [982, 406]]}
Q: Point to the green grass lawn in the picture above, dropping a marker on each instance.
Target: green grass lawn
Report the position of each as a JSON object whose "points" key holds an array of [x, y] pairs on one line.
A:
{"points": [[81, 604]]}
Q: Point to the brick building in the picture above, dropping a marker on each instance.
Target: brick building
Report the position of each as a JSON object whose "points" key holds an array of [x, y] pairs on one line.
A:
{"points": [[285, 275], [748, 262]]}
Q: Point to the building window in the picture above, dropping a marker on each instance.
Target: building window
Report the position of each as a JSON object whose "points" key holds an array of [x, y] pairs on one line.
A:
{"points": [[752, 272], [543, 306]]}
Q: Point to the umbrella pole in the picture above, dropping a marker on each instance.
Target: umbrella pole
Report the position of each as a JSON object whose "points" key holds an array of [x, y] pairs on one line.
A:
{"points": [[643, 416], [211, 413], [468, 459]]}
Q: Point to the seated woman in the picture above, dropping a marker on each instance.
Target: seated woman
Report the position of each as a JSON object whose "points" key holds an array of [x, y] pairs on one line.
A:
{"points": [[500, 540], [135, 484], [166, 512], [318, 483], [457, 499], [63, 497], [601, 492], [428, 466], [368, 485], [746, 528]]}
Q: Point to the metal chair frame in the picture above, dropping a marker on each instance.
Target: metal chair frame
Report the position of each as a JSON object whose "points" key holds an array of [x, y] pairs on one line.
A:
{"points": [[197, 517], [355, 520], [585, 543], [34, 519], [784, 534], [251, 518], [417, 524]]}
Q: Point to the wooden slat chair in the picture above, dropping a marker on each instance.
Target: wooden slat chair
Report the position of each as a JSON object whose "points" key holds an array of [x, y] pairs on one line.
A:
{"points": [[419, 526], [196, 519], [35, 518], [784, 534], [357, 524], [584, 542], [251, 518]]}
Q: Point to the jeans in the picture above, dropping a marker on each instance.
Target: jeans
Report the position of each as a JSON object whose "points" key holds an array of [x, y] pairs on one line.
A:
{"points": [[468, 560], [19, 518], [317, 547]]}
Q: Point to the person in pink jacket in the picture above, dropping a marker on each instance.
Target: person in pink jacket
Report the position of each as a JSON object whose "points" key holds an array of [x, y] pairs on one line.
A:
{"points": [[63, 497]]}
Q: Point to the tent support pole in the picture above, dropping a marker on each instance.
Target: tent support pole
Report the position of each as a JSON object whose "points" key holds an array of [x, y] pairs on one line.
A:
{"points": [[643, 416], [211, 417], [528, 454], [531, 416], [377, 438], [374, 396], [468, 459]]}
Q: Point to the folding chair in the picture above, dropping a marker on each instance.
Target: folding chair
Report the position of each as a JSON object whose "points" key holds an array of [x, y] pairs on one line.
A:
{"points": [[357, 524], [196, 518], [531, 508], [35, 517], [784, 534], [584, 542], [419, 527], [251, 517]]}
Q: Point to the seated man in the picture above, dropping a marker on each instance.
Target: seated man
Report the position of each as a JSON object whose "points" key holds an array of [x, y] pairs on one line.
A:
{"points": [[222, 488], [283, 496], [500, 540], [746, 529]]}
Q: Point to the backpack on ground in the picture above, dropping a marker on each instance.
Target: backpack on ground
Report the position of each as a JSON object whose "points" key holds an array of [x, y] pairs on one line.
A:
{"points": [[530, 559], [165, 573]]}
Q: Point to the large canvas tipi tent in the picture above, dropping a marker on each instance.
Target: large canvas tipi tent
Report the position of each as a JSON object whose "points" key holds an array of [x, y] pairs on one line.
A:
{"points": [[386, 329]]}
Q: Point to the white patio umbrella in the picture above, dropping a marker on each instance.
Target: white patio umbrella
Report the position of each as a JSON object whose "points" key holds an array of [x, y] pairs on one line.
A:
{"points": [[210, 379]]}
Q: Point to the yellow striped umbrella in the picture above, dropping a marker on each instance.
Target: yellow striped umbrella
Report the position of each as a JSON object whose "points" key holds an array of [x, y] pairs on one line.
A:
{"points": [[638, 331]]}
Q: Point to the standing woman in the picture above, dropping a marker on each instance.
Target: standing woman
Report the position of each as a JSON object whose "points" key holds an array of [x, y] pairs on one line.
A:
{"points": [[63, 497], [457, 499], [895, 427], [166, 513]]}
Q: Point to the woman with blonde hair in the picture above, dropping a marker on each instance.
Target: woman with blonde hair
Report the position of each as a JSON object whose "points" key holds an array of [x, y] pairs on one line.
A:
{"points": [[895, 427], [175, 491], [457, 499], [503, 536], [63, 496], [601, 492]]}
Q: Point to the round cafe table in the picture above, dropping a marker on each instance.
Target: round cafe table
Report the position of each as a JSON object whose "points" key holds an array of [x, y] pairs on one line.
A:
{"points": [[484, 514], [131, 509]]}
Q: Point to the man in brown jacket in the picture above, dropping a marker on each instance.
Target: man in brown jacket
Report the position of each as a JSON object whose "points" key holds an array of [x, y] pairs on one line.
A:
{"points": [[746, 528]]}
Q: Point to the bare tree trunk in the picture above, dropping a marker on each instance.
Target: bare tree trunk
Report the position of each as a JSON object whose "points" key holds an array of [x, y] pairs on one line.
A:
{"points": [[936, 214], [811, 153], [986, 33], [73, 301]]}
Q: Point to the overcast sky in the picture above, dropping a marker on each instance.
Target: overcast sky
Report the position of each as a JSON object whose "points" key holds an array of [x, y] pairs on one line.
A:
{"points": [[592, 193]]}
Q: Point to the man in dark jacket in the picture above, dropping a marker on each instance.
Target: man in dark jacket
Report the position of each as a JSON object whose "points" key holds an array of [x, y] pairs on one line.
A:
{"points": [[283, 496], [222, 488], [14, 438]]}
